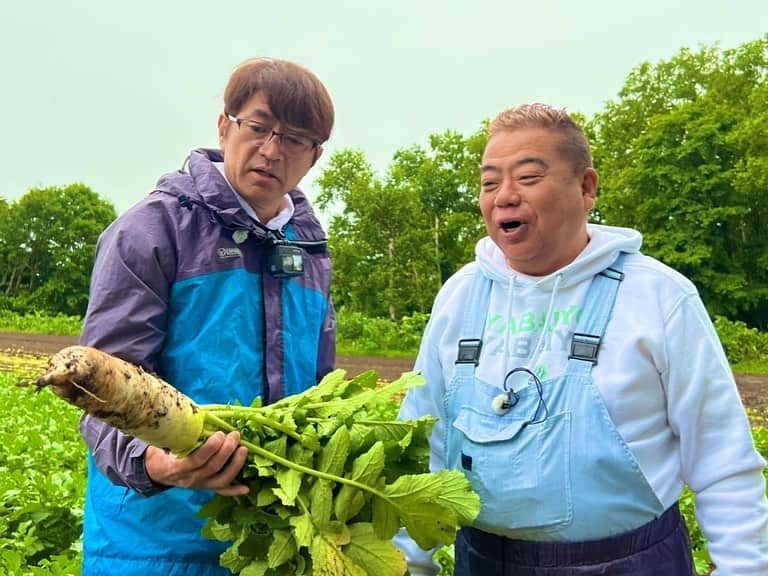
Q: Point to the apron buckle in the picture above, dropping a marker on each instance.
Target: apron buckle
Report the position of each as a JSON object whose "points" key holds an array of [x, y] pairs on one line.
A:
{"points": [[469, 351], [585, 347]]}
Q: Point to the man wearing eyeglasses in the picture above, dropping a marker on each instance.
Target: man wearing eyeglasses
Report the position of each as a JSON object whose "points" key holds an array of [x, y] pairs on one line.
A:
{"points": [[219, 281], [580, 385]]}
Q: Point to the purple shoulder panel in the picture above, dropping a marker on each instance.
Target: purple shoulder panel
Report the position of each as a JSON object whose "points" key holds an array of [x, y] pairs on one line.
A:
{"points": [[182, 230]]}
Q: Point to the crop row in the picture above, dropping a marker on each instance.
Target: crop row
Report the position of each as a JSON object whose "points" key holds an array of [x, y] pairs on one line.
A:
{"points": [[42, 480]]}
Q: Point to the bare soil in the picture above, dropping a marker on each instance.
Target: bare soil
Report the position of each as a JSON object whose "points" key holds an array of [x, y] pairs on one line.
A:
{"points": [[46, 345], [752, 387]]}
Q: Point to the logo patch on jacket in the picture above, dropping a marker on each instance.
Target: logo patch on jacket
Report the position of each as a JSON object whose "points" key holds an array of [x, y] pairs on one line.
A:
{"points": [[226, 253]]}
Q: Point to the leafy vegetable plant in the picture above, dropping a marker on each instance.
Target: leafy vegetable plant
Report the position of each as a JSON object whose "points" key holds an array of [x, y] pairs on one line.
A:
{"points": [[333, 473]]}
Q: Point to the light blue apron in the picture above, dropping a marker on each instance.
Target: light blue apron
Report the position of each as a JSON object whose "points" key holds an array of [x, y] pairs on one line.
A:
{"points": [[553, 467]]}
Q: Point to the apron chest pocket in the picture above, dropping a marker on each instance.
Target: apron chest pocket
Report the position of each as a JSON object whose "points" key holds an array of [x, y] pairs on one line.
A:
{"points": [[521, 471]]}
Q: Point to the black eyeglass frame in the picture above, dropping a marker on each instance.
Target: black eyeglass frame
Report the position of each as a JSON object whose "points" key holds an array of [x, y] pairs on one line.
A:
{"points": [[312, 144]]}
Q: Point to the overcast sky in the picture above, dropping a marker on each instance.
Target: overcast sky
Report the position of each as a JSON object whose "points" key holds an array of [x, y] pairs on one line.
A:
{"points": [[115, 94]]}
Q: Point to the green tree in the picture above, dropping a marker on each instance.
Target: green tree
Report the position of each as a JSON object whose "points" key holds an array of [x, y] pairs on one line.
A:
{"points": [[448, 179], [395, 240], [377, 241], [7, 266], [47, 241], [682, 157]]}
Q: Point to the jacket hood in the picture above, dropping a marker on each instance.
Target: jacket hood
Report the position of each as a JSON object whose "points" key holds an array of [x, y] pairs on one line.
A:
{"points": [[605, 243], [204, 184], [199, 179]]}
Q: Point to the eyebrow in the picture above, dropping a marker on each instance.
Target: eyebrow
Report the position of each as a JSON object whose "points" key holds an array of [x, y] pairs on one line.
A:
{"points": [[261, 115], [267, 116], [521, 162]]}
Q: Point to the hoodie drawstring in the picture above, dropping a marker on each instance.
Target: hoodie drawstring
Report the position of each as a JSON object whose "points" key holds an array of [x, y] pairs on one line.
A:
{"points": [[531, 363], [547, 320], [510, 297]]}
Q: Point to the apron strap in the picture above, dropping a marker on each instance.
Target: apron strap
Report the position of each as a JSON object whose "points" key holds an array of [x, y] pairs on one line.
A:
{"points": [[597, 312], [473, 324]]}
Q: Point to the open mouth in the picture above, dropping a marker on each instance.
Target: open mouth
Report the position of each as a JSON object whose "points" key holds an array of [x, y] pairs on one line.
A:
{"points": [[509, 225]]}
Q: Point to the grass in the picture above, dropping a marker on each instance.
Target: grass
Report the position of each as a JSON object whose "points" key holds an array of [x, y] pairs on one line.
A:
{"points": [[751, 367], [370, 335], [344, 349], [58, 325]]}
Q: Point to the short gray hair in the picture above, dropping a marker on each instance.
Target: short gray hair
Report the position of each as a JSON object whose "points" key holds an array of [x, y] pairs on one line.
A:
{"points": [[574, 143]]}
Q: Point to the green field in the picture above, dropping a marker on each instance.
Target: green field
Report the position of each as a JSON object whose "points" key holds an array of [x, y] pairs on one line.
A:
{"points": [[42, 479]]}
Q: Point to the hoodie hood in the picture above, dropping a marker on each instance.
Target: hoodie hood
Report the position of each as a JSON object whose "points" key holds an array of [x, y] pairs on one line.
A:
{"points": [[531, 319], [605, 243]]}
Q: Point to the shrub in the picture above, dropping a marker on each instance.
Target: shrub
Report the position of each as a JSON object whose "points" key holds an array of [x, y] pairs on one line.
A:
{"points": [[40, 323], [741, 342], [359, 334]]}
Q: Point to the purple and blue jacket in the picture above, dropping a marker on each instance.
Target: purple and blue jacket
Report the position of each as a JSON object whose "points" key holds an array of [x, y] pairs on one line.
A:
{"points": [[173, 292]]}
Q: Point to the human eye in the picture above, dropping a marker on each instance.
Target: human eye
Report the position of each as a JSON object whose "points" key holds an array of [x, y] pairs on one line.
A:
{"points": [[489, 184], [296, 142], [529, 178], [259, 129]]}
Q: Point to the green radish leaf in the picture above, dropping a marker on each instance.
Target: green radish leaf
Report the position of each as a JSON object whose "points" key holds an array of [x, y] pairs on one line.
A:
{"points": [[348, 503], [329, 560], [232, 559], [321, 501], [290, 483], [264, 466], [309, 438], [430, 525], [334, 456], [303, 530], [380, 557], [282, 549], [278, 446], [220, 532], [255, 568], [367, 467], [386, 521], [432, 506], [266, 496]]}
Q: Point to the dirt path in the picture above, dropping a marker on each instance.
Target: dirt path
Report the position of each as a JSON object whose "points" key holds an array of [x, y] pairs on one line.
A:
{"points": [[45, 345], [753, 388]]}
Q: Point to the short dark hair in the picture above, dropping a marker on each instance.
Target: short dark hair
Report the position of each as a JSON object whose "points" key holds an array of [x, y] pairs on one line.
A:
{"points": [[574, 144], [294, 94]]}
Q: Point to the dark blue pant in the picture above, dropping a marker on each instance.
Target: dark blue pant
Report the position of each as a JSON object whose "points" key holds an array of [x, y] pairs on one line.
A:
{"points": [[659, 548]]}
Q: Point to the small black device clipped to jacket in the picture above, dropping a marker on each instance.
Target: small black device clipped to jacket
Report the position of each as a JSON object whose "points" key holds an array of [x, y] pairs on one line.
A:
{"points": [[286, 258]]}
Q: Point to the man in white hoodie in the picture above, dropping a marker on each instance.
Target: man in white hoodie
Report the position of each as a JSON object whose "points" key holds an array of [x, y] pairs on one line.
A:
{"points": [[580, 384]]}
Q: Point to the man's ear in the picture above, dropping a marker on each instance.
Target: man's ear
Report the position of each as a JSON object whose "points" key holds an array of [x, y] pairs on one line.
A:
{"points": [[223, 127], [589, 181], [318, 152]]}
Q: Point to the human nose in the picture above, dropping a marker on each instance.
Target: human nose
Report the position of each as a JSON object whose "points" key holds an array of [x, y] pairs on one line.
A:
{"points": [[270, 148], [508, 195]]}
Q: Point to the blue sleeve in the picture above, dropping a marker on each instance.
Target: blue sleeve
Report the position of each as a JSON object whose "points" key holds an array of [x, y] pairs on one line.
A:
{"points": [[326, 354]]}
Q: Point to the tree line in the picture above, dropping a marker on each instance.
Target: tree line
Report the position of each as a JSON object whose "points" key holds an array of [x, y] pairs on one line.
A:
{"points": [[47, 245], [682, 153]]}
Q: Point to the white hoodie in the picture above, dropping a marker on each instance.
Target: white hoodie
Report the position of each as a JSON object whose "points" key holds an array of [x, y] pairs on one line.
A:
{"points": [[661, 371]]}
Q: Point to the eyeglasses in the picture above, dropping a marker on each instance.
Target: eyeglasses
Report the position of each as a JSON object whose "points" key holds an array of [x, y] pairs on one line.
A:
{"points": [[260, 134]]}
